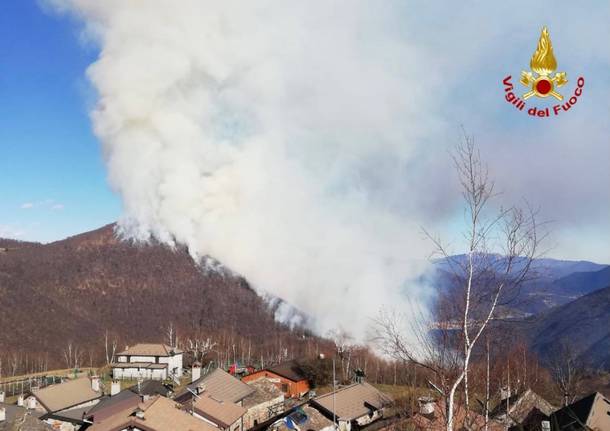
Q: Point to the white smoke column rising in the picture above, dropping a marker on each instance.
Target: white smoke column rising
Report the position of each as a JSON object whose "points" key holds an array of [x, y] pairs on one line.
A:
{"points": [[270, 135]]}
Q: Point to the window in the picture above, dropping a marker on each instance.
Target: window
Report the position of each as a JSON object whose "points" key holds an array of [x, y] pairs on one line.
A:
{"points": [[284, 387]]}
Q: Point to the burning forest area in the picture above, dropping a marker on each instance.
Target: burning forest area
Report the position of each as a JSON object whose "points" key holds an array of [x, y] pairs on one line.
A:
{"points": [[303, 216]]}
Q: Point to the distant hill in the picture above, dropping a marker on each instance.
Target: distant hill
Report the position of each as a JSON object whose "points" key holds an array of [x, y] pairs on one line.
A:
{"points": [[77, 288], [553, 282], [581, 283], [583, 324]]}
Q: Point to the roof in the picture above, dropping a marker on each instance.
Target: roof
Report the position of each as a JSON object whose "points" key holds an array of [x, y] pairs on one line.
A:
{"points": [[307, 418], [289, 370], [592, 410], [68, 394], [354, 401], [264, 390], [16, 414], [160, 414], [71, 415], [222, 413], [223, 386], [110, 405], [436, 421], [152, 387], [520, 406], [149, 349]]}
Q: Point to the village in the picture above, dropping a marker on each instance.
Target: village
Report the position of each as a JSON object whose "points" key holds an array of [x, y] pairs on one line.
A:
{"points": [[156, 387]]}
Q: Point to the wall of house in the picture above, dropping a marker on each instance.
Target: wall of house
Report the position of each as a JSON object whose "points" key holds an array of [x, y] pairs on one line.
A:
{"points": [[367, 419], [236, 426], [134, 373], [174, 363], [260, 412], [291, 389], [58, 425]]}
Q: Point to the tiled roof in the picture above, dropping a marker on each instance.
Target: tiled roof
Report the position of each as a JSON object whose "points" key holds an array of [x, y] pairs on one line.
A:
{"points": [[159, 414], [521, 405], [27, 422], [110, 405], [223, 386], [68, 394], [437, 420], [264, 390], [352, 401], [146, 349], [222, 413], [592, 410], [290, 370]]}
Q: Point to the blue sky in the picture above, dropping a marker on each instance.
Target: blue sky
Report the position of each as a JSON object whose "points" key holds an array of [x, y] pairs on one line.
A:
{"points": [[53, 177], [54, 183]]}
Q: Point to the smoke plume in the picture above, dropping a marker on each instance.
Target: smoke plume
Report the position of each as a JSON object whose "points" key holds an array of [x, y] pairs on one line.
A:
{"points": [[276, 137]]}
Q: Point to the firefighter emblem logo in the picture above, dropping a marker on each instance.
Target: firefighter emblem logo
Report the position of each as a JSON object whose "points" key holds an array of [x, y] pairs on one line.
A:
{"points": [[542, 79]]}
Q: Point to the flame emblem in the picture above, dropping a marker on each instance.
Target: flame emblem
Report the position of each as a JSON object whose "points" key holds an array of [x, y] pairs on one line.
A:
{"points": [[540, 80]]}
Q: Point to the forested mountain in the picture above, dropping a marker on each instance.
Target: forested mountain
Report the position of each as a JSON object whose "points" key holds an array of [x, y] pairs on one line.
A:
{"points": [[76, 289], [582, 326]]}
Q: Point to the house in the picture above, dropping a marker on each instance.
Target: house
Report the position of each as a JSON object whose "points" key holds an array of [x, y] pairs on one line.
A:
{"points": [[303, 418], [152, 387], [155, 414], [14, 417], [261, 400], [219, 384], [519, 408], [288, 376], [238, 369], [262, 405], [431, 417], [63, 405], [224, 415], [112, 404], [148, 361], [355, 405], [589, 413]]}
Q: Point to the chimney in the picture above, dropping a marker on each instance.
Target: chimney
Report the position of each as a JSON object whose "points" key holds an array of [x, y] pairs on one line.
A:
{"points": [[1, 397], [2, 414], [115, 388], [504, 393], [426, 405], [95, 383], [31, 403], [20, 400], [195, 371]]}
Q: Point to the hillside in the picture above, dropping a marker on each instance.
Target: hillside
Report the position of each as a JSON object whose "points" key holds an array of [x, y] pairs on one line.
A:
{"points": [[551, 283], [77, 288], [581, 283], [583, 324]]}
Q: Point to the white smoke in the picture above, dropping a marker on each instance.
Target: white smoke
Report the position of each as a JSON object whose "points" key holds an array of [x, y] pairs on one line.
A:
{"points": [[275, 136]]}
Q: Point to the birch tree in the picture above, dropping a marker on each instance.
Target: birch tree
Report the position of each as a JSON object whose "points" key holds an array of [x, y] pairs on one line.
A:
{"points": [[110, 347], [499, 252]]}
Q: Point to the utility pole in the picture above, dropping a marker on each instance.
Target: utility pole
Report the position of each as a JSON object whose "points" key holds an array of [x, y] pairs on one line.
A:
{"points": [[334, 422]]}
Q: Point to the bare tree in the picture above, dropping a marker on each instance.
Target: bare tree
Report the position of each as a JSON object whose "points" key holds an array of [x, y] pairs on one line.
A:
{"points": [[199, 347], [72, 355], [170, 333], [110, 348], [14, 360], [566, 372], [500, 250], [344, 345]]}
